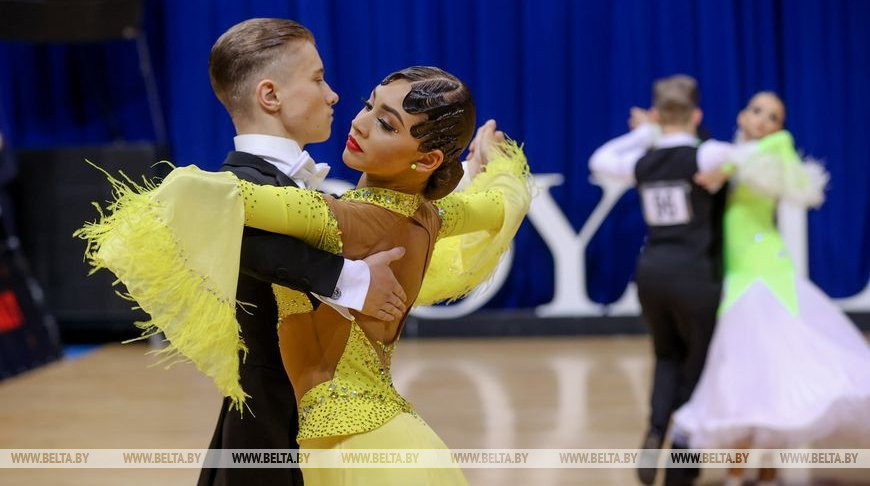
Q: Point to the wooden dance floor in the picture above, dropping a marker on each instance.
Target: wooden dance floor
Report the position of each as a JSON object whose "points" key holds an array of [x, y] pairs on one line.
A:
{"points": [[566, 392]]}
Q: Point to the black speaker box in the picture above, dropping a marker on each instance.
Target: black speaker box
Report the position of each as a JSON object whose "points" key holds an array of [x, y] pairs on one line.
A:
{"points": [[53, 196], [69, 20]]}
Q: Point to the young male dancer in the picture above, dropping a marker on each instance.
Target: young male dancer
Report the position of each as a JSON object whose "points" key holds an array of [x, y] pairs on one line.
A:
{"points": [[679, 272]]}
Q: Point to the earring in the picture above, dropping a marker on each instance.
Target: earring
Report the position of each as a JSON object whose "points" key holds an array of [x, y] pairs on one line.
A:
{"points": [[413, 166]]}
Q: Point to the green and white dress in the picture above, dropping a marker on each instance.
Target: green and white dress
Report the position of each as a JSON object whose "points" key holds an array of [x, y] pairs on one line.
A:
{"points": [[785, 366]]}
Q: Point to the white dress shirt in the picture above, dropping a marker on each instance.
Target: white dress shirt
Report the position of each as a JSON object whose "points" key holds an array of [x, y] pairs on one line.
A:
{"points": [[288, 157]]}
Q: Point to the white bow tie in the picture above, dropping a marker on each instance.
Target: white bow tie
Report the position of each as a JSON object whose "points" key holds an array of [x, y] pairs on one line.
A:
{"points": [[310, 172]]}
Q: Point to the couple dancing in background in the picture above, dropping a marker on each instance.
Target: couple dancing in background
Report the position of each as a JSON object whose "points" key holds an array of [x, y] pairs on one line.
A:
{"points": [[193, 246], [785, 366]]}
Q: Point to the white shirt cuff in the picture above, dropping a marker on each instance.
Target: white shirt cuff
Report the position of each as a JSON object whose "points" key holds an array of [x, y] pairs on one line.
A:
{"points": [[352, 286], [466, 178], [713, 154]]}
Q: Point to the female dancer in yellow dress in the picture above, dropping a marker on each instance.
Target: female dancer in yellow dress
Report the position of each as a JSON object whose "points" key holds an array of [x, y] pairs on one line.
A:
{"points": [[176, 248]]}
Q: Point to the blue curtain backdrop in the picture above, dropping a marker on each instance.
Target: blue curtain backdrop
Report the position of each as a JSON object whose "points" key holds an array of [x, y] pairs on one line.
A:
{"points": [[559, 75]]}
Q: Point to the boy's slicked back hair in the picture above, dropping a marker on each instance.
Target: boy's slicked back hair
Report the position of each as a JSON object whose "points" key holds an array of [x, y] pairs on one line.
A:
{"points": [[675, 98], [244, 51]]}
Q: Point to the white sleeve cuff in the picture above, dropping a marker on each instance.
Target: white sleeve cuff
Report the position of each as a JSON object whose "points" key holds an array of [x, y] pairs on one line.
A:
{"points": [[352, 286], [713, 154], [466, 178]]}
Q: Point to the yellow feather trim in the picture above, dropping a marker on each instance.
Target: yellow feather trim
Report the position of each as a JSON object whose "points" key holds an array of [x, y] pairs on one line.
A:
{"points": [[138, 240], [460, 263]]}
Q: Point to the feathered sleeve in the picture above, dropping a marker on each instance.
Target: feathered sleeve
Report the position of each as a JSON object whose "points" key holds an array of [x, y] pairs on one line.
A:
{"points": [[176, 248], [478, 225], [773, 167]]}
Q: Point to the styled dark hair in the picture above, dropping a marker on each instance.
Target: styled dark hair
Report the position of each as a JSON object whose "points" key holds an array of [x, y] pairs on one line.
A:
{"points": [[449, 125], [675, 98], [244, 51]]}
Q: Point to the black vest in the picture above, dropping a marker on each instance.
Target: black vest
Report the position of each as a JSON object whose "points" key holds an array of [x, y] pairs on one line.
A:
{"points": [[683, 219]]}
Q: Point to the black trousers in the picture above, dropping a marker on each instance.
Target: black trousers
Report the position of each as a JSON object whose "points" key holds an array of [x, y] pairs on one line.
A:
{"points": [[272, 425], [678, 298]]}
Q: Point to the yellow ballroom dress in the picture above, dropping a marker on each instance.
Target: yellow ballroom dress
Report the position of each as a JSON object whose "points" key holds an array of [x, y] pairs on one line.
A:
{"points": [[176, 248]]}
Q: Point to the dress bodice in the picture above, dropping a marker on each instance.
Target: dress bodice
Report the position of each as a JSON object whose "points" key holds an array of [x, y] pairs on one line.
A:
{"points": [[340, 368], [754, 249], [752, 243], [359, 397]]}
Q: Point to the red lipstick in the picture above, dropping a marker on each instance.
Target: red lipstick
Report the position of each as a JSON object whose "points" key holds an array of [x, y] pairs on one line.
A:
{"points": [[353, 145]]}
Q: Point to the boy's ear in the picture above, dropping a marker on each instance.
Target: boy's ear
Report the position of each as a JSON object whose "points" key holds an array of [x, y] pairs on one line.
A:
{"points": [[697, 116], [430, 161], [654, 115], [267, 98]]}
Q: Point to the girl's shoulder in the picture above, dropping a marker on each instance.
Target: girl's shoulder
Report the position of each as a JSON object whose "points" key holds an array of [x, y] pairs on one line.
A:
{"points": [[777, 140]]}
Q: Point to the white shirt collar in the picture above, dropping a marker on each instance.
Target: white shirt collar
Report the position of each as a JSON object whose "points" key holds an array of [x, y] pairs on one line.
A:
{"points": [[286, 155], [676, 139]]}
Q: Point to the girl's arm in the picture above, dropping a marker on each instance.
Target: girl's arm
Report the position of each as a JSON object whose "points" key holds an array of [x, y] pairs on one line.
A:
{"points": [[468, 212], [773, 167], [478, 225], [291, 211]]}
